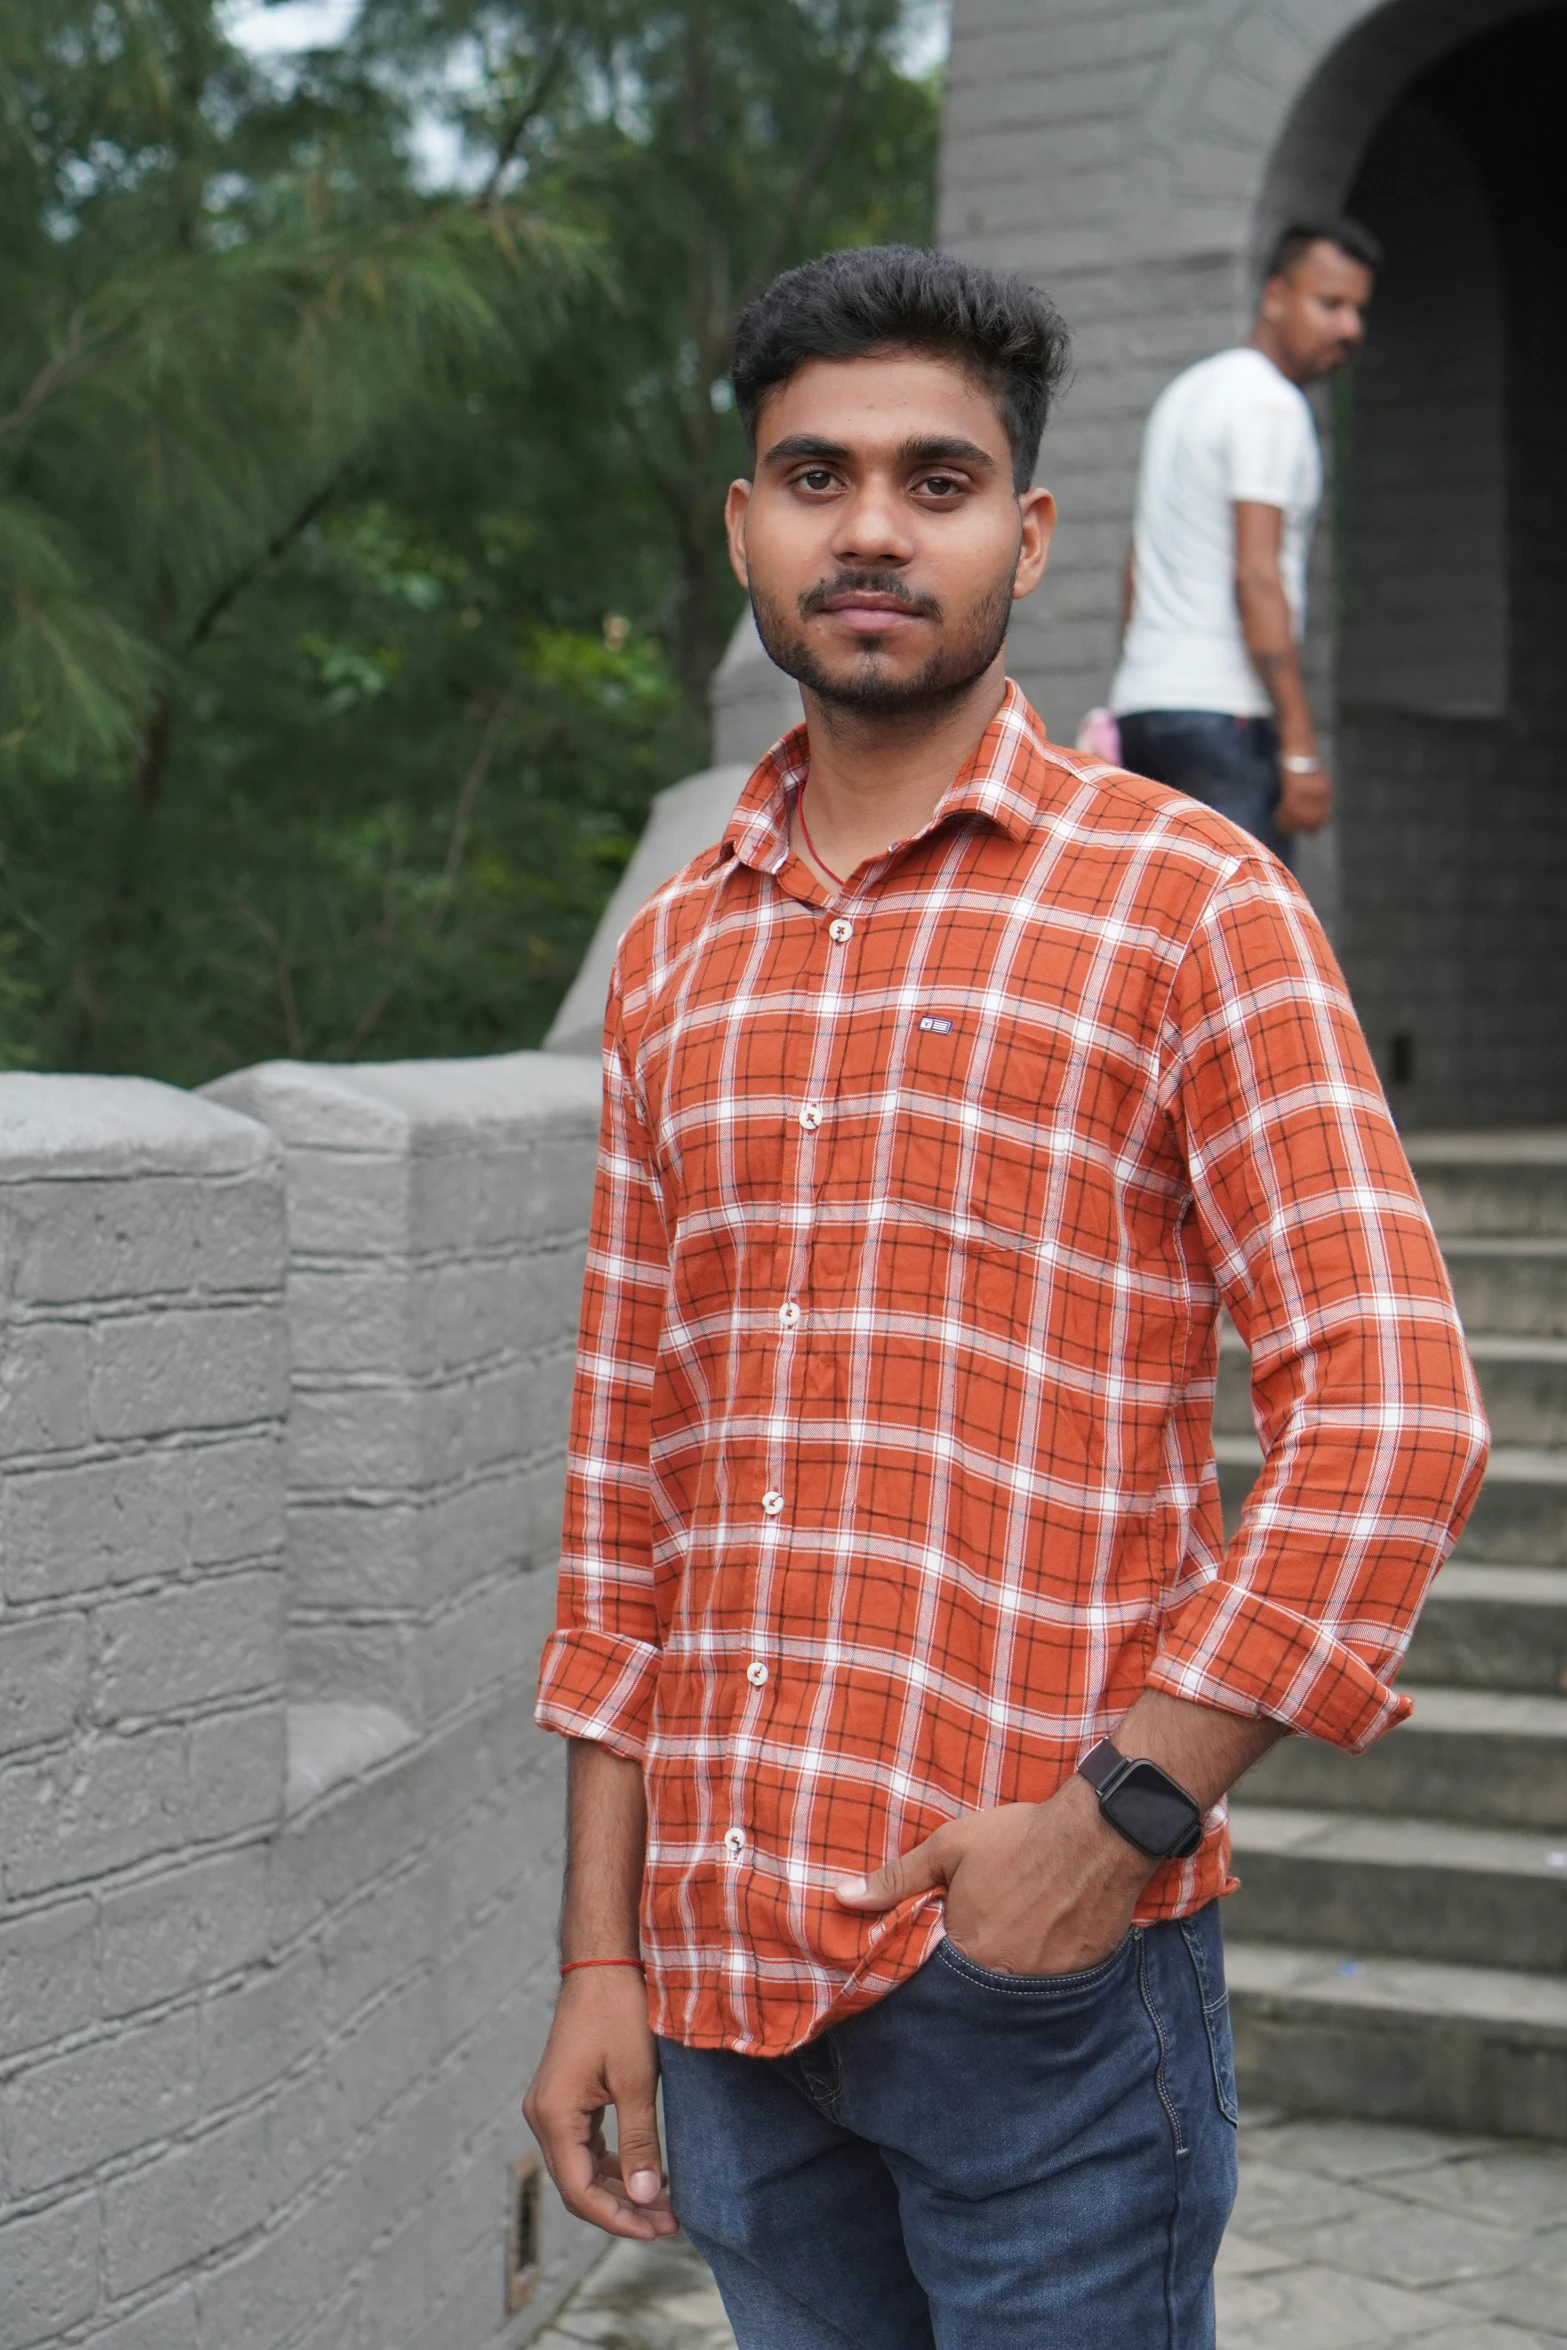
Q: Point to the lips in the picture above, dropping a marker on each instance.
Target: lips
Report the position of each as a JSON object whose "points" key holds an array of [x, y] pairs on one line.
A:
{"points": [[869, 615], [868, 606], [861, 603]]}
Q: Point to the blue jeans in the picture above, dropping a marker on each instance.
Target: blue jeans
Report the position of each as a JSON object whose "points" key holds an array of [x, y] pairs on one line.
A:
{"points": [[1230, 764], [979, 2162]]}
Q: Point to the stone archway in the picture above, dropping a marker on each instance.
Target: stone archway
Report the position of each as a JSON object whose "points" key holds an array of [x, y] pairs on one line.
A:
{"points": [[1138, 161], [1453, 590]]}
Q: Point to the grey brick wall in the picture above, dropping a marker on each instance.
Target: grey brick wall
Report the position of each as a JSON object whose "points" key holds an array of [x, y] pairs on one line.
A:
{"points": [[279, 1846]]}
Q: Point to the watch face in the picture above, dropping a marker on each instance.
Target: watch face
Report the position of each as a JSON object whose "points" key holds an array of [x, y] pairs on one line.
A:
{"points": [[1148, 1809]]}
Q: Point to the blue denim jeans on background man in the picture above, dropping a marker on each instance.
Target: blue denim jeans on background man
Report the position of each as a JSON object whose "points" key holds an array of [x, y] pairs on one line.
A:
{"points": [[978, 2162], [1230, 764]]}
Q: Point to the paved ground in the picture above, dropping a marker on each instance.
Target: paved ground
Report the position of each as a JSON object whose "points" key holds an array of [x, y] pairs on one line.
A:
{"points": [[1346, 2237]]}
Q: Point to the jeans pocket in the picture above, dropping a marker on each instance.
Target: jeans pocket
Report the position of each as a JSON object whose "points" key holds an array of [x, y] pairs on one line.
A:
{"points": [[1085, 1979], [1208, 1968]]}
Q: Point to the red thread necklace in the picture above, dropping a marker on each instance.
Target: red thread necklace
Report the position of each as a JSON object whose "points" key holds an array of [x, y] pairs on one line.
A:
{"points": [[805, 835]]}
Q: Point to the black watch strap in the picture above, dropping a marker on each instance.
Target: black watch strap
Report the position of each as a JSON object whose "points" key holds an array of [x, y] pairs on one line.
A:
{"points": [[1178, 1833], [1100, 1764]]}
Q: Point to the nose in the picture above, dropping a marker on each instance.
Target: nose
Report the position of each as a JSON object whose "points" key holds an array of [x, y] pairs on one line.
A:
{"points": [[870, 526]]}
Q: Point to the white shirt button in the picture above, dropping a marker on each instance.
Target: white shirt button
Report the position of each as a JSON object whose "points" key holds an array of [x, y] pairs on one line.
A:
{"points": [[841, 930], [734, 1841], [756, 1673], [811, 1116], [789, 1314], [772, 1503]]}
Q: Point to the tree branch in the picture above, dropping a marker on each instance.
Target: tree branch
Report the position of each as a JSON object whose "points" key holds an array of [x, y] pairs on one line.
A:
{"points": [[462, 821], [462, 815], [215, 607], [67, 367], [521, 123], [827, 141], [158, 735], [282, 973]]}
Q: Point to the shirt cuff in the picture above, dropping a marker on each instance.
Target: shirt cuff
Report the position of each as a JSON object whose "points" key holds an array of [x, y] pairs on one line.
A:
{"points": [[598, 1686], [1232, 1648]]}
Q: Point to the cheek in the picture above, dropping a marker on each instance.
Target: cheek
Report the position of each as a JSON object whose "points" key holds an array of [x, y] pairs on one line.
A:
{"points": [[787, 547], [974, 571]]}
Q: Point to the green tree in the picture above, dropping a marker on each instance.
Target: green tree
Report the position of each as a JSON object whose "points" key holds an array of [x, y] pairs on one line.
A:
{"points": [[709, 145], [358, 540]]}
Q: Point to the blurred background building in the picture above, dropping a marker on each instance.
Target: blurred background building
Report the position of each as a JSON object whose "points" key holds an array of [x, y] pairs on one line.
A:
{"points": [[1137, 156]]}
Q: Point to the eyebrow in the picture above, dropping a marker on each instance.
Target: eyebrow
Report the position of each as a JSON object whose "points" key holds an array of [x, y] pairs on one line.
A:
{"points": [[950, 449], [925, 449]]}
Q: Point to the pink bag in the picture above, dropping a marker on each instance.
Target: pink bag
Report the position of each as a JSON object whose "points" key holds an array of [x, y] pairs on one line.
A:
{"points": [[1100, 737]]}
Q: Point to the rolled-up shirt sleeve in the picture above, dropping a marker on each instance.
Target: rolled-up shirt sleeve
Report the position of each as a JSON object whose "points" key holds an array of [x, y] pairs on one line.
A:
{"points": [[1372, 1431], [600, 1665]]}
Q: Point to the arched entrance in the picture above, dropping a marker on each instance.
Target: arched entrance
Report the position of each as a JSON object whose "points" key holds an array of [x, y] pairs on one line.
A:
{"points": [[1450, 568], [1138, 162]]}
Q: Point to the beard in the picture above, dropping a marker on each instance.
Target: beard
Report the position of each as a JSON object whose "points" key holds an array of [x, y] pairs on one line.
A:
{"points": [[865, 684]]}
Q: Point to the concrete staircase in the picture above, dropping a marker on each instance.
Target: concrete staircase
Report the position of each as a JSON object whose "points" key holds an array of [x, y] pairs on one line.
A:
{"points": [[1398, 1950]]}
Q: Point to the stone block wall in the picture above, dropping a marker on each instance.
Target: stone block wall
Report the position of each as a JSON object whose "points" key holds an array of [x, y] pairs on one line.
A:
{"points": [[282, 1390]]}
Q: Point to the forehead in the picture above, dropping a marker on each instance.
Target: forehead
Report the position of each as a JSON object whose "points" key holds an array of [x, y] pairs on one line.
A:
{"points": [[878, 402], [1323, 269]]}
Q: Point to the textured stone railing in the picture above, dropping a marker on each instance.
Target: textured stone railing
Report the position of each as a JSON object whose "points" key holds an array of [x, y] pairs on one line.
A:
{"points": [[283, 1374]]}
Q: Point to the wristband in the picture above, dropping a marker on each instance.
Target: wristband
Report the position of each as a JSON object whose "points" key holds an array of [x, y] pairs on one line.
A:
{"points": [[1301, 763], [569, 1966]]}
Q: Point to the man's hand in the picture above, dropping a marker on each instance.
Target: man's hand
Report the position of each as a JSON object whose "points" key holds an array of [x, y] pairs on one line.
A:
{"points": [[601, 2052], [1031, 1888], [1305, 802]]}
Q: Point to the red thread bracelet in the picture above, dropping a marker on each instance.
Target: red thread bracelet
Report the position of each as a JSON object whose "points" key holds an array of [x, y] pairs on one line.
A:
{"points": [[570, 1965]]}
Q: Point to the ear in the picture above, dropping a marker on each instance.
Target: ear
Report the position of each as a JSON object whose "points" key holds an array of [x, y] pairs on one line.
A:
{"points": [[1037, 509], [736, 507]]}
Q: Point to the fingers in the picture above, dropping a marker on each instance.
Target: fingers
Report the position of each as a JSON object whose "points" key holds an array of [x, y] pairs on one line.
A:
{"points": [[640, 2157], [622, 2193], [589, 2179], [919, 1871]]}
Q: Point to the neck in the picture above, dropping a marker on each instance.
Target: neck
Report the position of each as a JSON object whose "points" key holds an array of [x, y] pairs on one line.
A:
{"points": [[879, 777], [1262, 338]]}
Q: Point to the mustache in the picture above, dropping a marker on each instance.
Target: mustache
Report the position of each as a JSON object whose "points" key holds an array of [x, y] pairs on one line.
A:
{"points": [[869, 583]]}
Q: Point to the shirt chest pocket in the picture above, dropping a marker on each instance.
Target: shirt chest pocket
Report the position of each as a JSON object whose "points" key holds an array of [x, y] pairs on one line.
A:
{"points": [[983, 1121]]}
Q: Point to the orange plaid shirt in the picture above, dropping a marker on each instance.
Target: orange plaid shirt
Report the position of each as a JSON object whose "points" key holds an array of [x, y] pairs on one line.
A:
{"points": [[891, 1480]]}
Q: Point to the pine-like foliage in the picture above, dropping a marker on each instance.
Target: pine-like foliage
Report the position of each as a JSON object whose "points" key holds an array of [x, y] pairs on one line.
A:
{"points": [[359, 564]]}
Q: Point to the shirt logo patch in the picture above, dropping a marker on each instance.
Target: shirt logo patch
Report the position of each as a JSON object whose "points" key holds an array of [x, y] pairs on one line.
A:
{"points": [[935, 1027]]}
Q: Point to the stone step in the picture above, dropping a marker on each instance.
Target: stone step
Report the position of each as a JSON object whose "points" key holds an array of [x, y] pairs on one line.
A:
{"points": [[1520, 1515], [1519, 1519], [1399, 2040], [1493, 1185], [1523, 1380], [1486, 1627], [1400, 1888], [1481, 1756], [1513, 1286]]}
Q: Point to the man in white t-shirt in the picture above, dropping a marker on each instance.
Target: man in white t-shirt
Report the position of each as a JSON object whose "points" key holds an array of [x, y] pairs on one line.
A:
{"points": [[1209, 695]]}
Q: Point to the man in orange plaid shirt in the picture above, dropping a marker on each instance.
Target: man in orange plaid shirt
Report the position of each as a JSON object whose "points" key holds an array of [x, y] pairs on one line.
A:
{"points": [[905, 1665]]}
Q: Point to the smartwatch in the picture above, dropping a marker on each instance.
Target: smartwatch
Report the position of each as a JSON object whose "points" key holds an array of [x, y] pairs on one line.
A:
{"points": [[1143, 1803]]}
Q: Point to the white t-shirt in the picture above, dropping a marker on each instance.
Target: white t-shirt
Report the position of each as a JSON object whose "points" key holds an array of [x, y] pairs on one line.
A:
{"points": [[1231, 427]]}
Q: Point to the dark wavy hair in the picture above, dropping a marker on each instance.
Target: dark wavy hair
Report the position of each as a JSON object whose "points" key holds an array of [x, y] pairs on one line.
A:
{"points": [[998, 328]]}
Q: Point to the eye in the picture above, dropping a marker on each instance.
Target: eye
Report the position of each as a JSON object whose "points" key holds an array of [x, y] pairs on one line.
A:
{"points": [[815, 478], [944, 486]]}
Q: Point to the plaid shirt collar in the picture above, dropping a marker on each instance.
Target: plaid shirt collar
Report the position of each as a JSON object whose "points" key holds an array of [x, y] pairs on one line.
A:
{"points": [[1005, 781]]}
